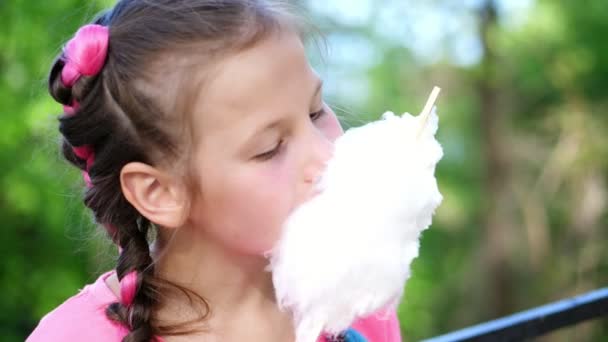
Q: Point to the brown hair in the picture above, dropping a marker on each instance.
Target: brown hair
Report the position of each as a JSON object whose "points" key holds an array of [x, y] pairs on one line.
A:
{"points": [[134, 109]]}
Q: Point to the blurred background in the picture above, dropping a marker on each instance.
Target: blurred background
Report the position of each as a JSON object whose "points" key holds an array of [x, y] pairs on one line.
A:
{"points": [[523, 122]]}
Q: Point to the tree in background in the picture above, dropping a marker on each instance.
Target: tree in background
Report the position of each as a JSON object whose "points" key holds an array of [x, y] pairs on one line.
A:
{"points": [[522, 117], [47, 250]]}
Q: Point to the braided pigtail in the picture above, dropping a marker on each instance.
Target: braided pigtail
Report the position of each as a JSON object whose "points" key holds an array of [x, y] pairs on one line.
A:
{"points": [[90, 127], [100, 134]]}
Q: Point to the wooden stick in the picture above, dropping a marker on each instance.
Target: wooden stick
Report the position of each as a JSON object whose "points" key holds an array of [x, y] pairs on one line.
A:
{"points": [[426, 112]]}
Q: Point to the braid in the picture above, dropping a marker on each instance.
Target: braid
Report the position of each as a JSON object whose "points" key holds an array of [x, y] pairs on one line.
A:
{"points": [[135, 312], [102, 122], [98, 122]]}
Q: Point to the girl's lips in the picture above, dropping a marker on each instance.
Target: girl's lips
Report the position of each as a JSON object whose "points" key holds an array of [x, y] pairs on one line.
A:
{"points": [[316, 192], [317, 188], [313, 193]]}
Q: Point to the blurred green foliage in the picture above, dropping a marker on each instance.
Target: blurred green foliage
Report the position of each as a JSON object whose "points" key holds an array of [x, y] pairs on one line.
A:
{"points": [[47, 252], [524, 174]]}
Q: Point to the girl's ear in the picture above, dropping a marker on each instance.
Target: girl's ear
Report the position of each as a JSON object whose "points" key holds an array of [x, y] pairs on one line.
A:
{"points": [[155, 194]]}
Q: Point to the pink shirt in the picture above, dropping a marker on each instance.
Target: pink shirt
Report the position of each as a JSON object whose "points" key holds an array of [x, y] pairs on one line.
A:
{"points": [[82, 318]]}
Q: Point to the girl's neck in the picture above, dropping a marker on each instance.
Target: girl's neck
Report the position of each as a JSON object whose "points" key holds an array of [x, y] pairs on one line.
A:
{"points": [[237, 288], [229, 281]]}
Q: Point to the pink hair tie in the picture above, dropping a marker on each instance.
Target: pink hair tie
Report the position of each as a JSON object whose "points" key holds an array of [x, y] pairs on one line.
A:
{"points": [[86, 153], [71, 110], [128, 287], [85, 54]]}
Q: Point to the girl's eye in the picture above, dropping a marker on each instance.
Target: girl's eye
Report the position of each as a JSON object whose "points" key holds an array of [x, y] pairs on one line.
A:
{"points": [[316, 115], [271, 153]]}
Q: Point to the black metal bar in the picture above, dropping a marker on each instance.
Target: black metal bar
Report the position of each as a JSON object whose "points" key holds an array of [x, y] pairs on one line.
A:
{"points": [[535, 322]]}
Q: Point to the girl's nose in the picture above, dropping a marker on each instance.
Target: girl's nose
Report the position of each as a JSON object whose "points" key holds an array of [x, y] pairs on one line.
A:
{"points": [[320, 151]]}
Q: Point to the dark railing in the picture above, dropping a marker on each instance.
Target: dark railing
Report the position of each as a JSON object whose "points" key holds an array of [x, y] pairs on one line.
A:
{"points": [[535, 322]]}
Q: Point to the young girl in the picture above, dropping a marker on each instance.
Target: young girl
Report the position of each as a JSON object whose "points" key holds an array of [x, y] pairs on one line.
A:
{"points": [[199, 126]]}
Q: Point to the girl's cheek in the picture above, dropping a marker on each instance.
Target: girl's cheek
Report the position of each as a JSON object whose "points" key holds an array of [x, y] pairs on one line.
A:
{"points": [[276, 171]]}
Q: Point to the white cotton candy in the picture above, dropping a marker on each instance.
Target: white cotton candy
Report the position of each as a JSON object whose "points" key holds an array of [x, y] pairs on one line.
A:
{"points": [[346, 253]]}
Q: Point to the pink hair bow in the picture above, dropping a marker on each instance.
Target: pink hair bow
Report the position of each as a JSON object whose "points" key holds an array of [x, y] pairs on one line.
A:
{"points": [[85, 54]]}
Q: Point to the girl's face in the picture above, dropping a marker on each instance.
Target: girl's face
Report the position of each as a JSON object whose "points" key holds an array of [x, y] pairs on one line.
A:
{"points": [[263, 135]]}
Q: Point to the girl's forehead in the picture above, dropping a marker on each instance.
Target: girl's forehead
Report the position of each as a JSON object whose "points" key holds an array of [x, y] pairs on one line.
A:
{"points": [[271, 78]]}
